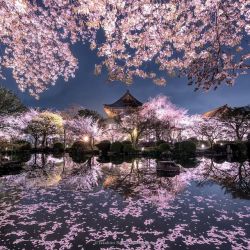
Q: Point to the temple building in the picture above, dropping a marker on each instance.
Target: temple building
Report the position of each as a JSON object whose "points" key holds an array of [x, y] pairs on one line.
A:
{"points": [[127, 101], [217, 112]]}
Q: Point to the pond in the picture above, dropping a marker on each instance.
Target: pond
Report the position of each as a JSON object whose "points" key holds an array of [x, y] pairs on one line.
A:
{"points": [[58, 203]]}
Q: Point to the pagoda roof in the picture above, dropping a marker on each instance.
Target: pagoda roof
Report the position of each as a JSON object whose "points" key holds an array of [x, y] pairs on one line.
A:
{"points": [[218, 112], [127, 100]]}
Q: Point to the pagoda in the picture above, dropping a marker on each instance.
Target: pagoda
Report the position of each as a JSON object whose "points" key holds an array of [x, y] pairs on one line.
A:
{"points": [[126, 102], [218, 112]]}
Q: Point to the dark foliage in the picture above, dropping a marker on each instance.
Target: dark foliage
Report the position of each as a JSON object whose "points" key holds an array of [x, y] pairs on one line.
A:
{"points": [[127, 147], [184, 149], [21, 145], [80, 147], [10, 103], [58, 147], [239, 149], [116, 147], [104, 146], [164, 147]]}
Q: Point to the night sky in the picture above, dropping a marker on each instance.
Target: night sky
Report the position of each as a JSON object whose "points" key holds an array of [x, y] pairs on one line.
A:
{"points": [[92, 91]]}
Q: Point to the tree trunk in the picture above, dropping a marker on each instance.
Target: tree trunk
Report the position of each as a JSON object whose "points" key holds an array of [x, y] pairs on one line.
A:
{"points": [[239, 137], [64, 138], [43, 141], [35, 143], [43, 160], [157, 135], [211, 144]]}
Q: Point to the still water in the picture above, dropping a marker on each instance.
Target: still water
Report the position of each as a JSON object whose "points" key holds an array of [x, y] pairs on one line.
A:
{"points": [[58, 203]]}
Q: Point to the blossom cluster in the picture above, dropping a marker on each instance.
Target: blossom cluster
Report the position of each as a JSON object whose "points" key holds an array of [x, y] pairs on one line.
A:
{"points": [[203, 40]]}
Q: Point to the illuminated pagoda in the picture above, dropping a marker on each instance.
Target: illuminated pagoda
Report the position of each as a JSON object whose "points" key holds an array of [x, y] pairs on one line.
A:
{"points": [[126, 102]]}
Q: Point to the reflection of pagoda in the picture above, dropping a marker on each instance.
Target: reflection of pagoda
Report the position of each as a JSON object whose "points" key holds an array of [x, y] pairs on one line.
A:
{"points": [[127, 101]]}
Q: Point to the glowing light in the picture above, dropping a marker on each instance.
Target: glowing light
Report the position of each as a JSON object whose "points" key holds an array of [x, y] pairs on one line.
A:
{"points": [[142, 149], [202, 146], [135, 132], [86, 138]]}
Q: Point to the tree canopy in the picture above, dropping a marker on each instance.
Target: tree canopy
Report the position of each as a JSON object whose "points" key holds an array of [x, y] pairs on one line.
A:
{"points": [[206, 41], [90, 113], [43, 125], [9, 102], [238, 120]]}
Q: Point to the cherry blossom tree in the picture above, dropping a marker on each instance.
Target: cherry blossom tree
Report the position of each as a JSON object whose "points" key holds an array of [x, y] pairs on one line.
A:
{"points": [[157, 118], [43, 126], [112, 132], [163, 117], [237, 120], [133, 124], [83, 128], [210, 129], [12, 126], [8, 131], [34, 47], [206, 41]]}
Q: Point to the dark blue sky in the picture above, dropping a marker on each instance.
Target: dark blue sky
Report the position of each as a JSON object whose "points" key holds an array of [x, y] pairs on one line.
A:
{"points": [[92, 91]]}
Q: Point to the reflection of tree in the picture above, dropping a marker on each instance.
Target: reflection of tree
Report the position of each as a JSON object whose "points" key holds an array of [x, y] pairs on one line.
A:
{"points": [[82, 176], [139, 179], [233, 176], [136, 179], [41, 171], [127, 176], [45, 170]]}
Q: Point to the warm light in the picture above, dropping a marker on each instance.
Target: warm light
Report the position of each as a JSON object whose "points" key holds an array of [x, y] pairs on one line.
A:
{"points": [[142, 149], [221, 144], [109, 181], [53, 180], [86, 138], [135, 132], [202, 146]]}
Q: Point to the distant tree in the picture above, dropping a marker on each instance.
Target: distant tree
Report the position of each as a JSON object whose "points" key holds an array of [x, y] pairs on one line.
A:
{"points": [[52, 124], [71, 112], [238, 121], [9, 102], [12, 126], [44, 125], [84, 128], [94, 115], [210, 129], [163, 117], [133, 124], [34, 129]]}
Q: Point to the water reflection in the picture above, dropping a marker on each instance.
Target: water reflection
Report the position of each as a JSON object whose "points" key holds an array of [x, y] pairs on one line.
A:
{"points": [[56, 202], [234, 177], [129, 176]]}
